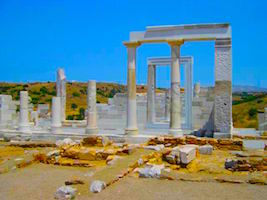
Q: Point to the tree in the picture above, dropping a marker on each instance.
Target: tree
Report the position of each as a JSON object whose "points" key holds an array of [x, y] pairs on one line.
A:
{"points": [[252, 112], [75, 94], [81, 111], [43, 90], [74, 106]]}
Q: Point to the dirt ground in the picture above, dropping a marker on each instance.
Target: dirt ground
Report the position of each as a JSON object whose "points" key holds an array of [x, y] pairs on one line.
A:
{"points": [[199, 180], [40, 181]]}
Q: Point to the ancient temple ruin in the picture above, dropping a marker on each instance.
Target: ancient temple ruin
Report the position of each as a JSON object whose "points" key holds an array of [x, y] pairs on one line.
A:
{"points": [[176, 36]]}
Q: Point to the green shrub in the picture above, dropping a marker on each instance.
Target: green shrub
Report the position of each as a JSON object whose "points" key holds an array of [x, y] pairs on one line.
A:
{"points": [[44, 90], [252, 112], [74, 106], [76, 94], [70, 117], [35, 100]]}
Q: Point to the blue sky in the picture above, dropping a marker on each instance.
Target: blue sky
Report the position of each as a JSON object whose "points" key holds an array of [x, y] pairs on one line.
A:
{"points": [[85, 37]]}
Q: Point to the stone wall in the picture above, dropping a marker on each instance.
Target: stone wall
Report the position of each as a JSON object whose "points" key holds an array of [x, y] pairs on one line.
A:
{"points": [[7, 111], [203, 108]]}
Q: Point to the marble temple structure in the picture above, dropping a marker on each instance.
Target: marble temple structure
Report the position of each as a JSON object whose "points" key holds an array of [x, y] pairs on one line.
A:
{"points": [[91, 127], [24, 125], [61, 91], [187, 61], [176, 36]]}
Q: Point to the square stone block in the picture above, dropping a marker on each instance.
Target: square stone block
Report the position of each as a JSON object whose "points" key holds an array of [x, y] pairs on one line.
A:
{"points": [[205, 149], [187, 154]]}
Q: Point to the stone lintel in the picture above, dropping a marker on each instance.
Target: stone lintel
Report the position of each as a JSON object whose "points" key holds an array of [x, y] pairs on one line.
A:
{"points": [[223, 42], [191, 32]]}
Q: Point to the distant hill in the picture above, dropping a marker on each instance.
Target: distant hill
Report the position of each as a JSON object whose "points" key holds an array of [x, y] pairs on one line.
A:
{"points": [[246, 88], [247, 100]]}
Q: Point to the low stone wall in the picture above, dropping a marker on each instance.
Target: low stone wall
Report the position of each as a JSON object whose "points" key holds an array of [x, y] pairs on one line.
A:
{"points": [[223, 144], [250, 137]]}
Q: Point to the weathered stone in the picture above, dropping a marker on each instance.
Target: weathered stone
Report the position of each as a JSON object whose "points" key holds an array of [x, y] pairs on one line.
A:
{"points": [[65, 193], [173, 157], [97, 186], [230, 164], [150, 171], [66, 141], [126, 151], [53, 153], [112, 159], [187, 154], [205, 149], [100, 141], [158, 147]]}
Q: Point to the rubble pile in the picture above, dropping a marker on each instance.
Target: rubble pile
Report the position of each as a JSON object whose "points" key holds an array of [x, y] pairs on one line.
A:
{"points": [[222, 144], [93, 148], [258, 164]]}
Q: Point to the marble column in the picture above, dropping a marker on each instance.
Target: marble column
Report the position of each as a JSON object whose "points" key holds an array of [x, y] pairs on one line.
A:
{"points": [[151, 93], [56, 115], [223, 88], [175, 109], [131, 126], [91, 109], [24, 125], [61, 91], [188, 93], [167, 105]]}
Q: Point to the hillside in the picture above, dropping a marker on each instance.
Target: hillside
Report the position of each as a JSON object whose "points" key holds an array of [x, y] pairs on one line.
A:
{"points": [[42, 93], [245, 105]]}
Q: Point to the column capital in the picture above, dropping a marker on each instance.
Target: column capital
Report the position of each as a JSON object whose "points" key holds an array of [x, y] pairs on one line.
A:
{"points": [[132, 44], [175, 42]]}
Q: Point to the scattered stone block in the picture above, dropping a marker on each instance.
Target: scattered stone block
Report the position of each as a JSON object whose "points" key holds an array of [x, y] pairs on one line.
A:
{"points": [[158, 147], [97, 186], [153, 171], [205, 149], [65, 193], [170, 159], [100, 141], [230, 164], [187, 154], [53, 153], [66, 141]]}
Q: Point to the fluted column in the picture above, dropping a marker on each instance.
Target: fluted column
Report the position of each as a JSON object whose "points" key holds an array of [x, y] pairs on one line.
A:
{"points": [[24, 125], [175, 110], [131, 126], [151, 93], [91, 109], [56, 115]]}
